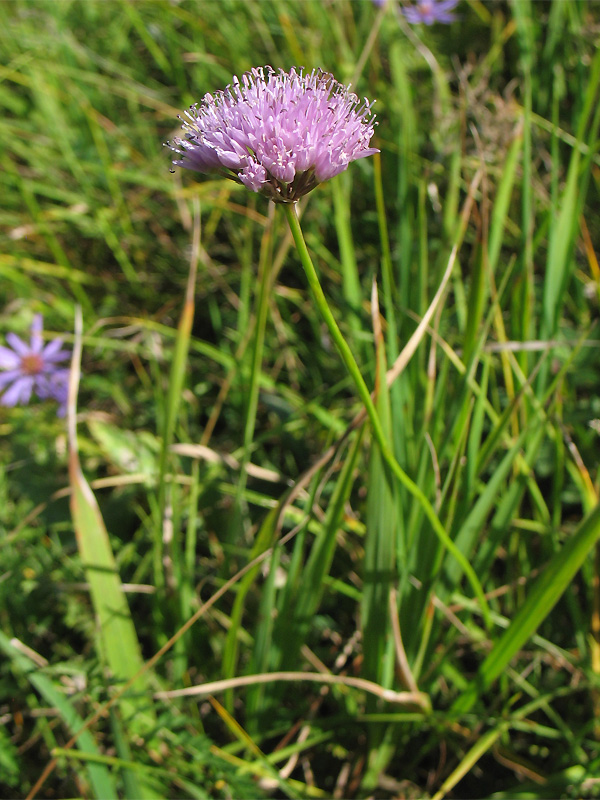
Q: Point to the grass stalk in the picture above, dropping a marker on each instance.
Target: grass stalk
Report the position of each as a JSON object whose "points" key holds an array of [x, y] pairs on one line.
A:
{"points": [[262, 307], [176, 382]]}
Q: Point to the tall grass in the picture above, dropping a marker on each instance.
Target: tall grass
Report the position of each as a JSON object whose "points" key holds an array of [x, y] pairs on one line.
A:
{"points": [[412, 527]]}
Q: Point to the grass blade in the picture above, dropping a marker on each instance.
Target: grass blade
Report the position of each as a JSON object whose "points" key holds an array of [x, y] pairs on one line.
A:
{"points": [[544, 595], [382, 528], [176, 379], [565, 222], [100, 778], [118, 644], [299, 607]]}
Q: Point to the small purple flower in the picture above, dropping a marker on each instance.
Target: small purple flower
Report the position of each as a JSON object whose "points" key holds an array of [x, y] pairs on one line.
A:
{"points": [[430, 11], [32, 368], [278, 133]]}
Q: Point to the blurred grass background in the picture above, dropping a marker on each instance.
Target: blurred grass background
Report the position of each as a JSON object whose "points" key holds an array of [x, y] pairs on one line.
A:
{"points": [[495, 417]]}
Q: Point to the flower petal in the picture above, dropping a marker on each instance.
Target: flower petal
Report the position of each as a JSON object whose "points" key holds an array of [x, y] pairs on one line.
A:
{"points": [[19, 393], [8, 358], [17, 344], [52, 351], [286, 123], [9, 376]]}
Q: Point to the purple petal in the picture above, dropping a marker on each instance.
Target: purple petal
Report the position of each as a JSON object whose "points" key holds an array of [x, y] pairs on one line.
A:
{"points": [[428, 12], [253, 176], [19, 393], [283, 123], [9, 377], [52, 351], [17, 344], [8, 358]]}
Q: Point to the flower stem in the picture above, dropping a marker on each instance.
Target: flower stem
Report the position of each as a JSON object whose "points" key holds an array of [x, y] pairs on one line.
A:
{"points": [[367, 400]]}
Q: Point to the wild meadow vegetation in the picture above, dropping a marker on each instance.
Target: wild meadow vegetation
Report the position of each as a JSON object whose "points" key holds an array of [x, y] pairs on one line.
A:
{"points": [[410, 610]]}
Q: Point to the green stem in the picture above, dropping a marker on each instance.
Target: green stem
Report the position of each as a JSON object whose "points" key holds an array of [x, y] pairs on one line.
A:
{"points": [[365, 396], [264, 285]]}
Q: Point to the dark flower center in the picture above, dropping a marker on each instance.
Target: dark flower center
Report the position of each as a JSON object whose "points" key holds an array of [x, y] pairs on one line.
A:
{"points": [[32, 364]]}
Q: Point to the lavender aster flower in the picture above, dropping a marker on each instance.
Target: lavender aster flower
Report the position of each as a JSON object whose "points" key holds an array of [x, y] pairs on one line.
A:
{"points": [[278, 133], [32, 368], [430, 11]]}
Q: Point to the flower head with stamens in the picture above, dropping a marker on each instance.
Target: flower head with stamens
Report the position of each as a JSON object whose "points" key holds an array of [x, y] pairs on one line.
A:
{"points": [[33, 367], [278, 133], [430, 11]]}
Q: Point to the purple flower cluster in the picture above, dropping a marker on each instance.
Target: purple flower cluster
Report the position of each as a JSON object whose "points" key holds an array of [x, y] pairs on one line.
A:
{"points": [[29, 368], [426, 11], [430, 11], [278, 133]]}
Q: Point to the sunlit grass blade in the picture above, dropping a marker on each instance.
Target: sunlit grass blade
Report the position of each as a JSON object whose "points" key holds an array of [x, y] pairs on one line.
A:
{"points": [[483, 744], [242, 736], [256, 768], [117, 638], [502, 200], [566, 216], [119, 642]]}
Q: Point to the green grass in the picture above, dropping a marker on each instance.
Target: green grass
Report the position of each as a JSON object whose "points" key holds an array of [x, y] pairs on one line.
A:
{"points": [[229, 501]]}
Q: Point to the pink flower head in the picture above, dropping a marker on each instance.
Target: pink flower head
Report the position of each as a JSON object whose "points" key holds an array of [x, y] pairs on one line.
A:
{"points": [[278, 133], [32, 367], [430, 11]]}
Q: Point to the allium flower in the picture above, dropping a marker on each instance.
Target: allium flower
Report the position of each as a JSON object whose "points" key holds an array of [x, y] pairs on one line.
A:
{"points": [[32, 368], [430, 11], [278, 133]]}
